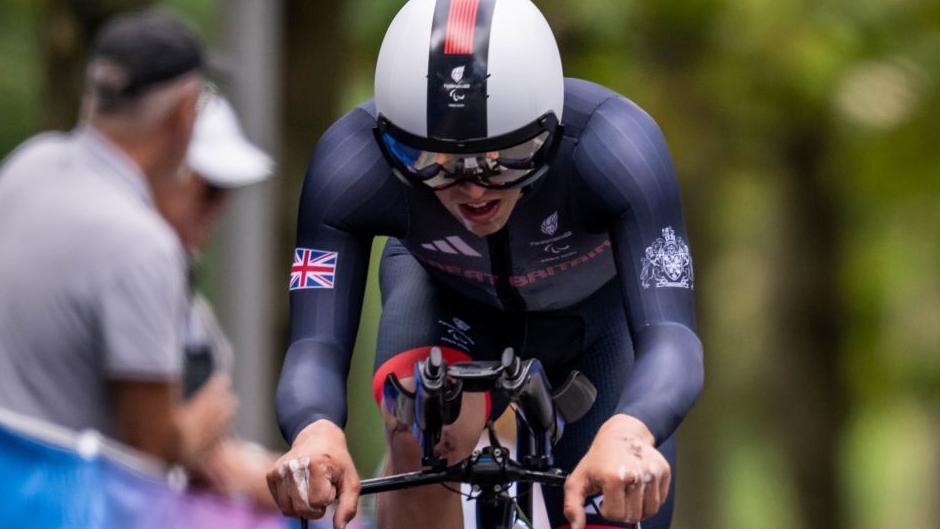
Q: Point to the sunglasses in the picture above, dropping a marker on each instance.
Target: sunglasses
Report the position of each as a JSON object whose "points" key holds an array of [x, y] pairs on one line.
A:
{"points": [[504, 162], [212, 193]]}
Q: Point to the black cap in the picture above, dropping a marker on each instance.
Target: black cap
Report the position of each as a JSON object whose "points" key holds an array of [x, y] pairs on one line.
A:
{"points": [[138, 50]]}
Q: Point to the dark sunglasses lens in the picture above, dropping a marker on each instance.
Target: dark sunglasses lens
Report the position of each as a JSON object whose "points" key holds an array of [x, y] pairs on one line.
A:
{"points": [[212, 193], [499, 169]]}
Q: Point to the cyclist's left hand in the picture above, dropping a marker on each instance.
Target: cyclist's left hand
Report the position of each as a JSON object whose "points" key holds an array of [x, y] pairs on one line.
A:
{"points": [[624, 465]]}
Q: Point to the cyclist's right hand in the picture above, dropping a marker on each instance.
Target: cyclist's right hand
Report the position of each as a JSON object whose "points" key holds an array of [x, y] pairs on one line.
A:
{"points": [[314, 473]]}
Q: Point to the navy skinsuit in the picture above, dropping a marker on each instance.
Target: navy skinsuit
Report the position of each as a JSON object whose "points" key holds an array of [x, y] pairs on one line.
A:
{"points": [[592, 272]]}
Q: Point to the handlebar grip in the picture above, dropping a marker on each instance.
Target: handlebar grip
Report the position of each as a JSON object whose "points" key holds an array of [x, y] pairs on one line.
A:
{"points": [[434, 363]]}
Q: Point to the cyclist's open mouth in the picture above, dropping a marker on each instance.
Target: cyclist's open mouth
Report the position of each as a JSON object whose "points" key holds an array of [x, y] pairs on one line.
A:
{"points": [[479, 211]]}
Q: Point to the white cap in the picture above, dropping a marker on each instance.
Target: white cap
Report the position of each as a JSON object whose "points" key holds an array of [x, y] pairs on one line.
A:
{"points": [[219, 152]]}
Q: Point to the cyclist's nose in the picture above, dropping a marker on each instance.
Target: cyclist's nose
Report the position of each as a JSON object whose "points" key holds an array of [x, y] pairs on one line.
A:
{"points": [[471, 190]]}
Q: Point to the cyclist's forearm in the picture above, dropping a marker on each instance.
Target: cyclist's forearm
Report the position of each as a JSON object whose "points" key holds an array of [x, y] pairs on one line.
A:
{"points": [[666, 379], [312, 386], [324, 322]]}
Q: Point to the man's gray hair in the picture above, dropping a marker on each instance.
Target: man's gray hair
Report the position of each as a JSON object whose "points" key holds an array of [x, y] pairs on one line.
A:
{"points": [[137, 114]]}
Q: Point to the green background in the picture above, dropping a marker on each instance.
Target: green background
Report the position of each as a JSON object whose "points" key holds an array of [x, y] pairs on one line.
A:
{"points": [[806, 139]]}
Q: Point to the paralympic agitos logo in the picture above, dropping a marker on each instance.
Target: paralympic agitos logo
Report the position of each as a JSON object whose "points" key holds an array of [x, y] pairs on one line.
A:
{"points": [[455, 89]]}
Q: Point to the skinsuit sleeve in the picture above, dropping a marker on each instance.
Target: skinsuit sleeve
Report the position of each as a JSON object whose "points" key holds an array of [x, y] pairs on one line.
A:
{"points": [[623, 158], [348, 197]]}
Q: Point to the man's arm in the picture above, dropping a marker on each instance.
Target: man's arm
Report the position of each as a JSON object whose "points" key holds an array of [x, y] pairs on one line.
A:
{"points": [[324, 322], [151, 418], [348, 196], [141, 307], [146, 418], [624, 160], [327, 283]]}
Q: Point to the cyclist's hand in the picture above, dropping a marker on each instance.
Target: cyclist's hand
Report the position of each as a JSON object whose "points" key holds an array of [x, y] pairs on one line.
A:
{"points": [[623, 464], [317, 471]]}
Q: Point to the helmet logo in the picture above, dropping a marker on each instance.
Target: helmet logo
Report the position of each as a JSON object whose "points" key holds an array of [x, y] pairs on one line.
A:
{"points": [[455, 89]]}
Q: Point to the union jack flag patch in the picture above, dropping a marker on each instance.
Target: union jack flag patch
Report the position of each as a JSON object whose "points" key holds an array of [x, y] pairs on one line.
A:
{"points": [[313, 269]]}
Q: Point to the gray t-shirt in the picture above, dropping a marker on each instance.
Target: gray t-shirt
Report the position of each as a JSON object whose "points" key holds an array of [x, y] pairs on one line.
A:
{"points": [[91, 280]]}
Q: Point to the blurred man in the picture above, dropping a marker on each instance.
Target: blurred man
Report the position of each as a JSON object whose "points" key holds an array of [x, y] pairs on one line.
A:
{"points": [[220, 159], [93, 279]]}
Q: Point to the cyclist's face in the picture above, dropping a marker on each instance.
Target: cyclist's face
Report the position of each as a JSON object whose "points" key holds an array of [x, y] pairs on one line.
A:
{"points": [[482, 211]]}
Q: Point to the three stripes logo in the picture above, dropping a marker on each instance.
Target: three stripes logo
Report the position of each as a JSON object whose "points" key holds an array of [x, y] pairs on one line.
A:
{"points": [[452, 245]]}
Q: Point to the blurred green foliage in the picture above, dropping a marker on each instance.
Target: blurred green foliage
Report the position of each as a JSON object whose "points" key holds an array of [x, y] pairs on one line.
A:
{"points": [[805, 135], [19, 101]]}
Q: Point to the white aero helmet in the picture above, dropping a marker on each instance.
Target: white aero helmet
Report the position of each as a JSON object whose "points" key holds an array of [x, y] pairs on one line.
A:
{"points": [[469, 90]]}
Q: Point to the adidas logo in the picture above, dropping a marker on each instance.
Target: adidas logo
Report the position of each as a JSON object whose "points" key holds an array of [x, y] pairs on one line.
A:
{"points": [[453, 245]]}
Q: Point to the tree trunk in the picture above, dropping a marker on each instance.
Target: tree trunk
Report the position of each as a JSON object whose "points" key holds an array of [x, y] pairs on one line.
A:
{"points": [[314, 72], [811, 394], [66, 32]]}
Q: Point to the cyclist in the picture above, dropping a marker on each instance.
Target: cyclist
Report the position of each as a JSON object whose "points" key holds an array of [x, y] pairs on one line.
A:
{"points": [[524, 209]]}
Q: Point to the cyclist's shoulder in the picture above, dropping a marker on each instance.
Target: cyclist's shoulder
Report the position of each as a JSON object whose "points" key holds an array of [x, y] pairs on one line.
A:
{"points": [[582, 97], [347, 150], [618, 144], [353, 128], [590, 106], [349, 173]]}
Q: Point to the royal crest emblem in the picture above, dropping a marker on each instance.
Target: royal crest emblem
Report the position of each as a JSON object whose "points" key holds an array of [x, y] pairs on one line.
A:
{"points": [[667, 262], [550, 224]]}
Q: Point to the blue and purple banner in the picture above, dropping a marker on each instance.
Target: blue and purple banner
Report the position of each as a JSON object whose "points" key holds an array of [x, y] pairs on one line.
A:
{"points": [[52, 478]]}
